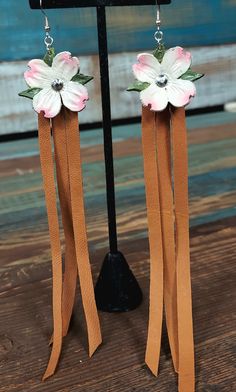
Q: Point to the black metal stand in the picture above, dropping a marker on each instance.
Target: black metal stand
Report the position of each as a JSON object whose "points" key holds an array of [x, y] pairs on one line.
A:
{"points": [[117, 289]]}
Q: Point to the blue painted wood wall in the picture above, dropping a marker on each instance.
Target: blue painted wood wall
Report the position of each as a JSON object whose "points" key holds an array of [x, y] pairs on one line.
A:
{"points": [[185, 22]]}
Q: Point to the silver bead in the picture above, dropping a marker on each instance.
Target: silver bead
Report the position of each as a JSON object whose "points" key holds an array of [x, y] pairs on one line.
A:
{"points": [[57, 84], [161, 80]]}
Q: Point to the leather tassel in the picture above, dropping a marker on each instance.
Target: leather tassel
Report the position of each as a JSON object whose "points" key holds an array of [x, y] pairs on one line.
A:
{"points": [[65, 131], [79, 226], [169, 232]]}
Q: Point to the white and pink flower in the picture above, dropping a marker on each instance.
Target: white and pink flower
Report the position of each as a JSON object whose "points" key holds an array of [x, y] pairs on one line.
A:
{"points": [[163, 78], [56, 85]]}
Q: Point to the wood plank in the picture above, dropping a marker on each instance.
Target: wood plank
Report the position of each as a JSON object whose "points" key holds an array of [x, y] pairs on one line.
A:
{"points": [[185, 23], [217, 87], [25, 267], [27, 314], [212, 183]]}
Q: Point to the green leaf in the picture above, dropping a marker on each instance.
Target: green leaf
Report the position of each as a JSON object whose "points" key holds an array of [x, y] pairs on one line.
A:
{"points": [[82, 79], [159, 53], [30, 93], [138, 86], [49, 56], [191, 75]]}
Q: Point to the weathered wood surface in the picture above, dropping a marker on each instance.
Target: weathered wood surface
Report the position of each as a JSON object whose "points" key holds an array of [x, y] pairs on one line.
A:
{"points": [[217, 87], [189, 23], [25, 269]]}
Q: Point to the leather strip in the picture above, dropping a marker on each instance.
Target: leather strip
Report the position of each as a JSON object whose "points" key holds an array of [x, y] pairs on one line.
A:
{"points": [[155, 240], [70, 271], [184, 299], [175, 257], [168, 234], [47, 167], [79, 227], [69, 177]]}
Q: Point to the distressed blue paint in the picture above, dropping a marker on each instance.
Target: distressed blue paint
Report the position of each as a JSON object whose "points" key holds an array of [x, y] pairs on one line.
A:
{"points": [[194, 23], [21, 148], [217, 215], [128, 193], [212, 183], [200, 186], [16, 220]]}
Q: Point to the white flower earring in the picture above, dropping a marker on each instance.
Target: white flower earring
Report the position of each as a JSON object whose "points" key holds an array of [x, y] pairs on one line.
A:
{"points": [[56, 84], [57, 89], [165, 76], [55, 81], [164, 80]]}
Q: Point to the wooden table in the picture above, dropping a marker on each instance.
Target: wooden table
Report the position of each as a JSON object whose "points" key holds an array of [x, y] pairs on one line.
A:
{"points": [[25, 267]]}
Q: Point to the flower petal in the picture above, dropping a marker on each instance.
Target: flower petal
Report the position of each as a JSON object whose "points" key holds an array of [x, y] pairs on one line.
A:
{"points": [[47, 101], [39, 74], [147, 68], [154, 96], [74, 96], [180, 91], [65, 66], [176, 61]]}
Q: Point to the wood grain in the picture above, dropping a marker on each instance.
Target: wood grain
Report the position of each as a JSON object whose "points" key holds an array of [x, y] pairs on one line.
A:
{"points": [[27, 311], [25, 267], [131, 28], [217, 87]]}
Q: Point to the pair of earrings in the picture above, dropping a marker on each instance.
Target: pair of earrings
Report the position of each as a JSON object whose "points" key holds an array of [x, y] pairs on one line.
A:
{"points": [[161, 78], [164, 80]]}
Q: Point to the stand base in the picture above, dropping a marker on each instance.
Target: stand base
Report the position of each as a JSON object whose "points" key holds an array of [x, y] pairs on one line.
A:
{"points": [[117, 290]]}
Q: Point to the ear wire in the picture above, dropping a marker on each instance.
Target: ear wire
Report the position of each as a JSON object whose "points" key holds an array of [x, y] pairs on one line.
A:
{"points": [[158, 34], [48, 40]]}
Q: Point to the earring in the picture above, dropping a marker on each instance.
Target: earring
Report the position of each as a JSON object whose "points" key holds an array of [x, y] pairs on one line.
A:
{"points": [[164, 80], [57, 89]]}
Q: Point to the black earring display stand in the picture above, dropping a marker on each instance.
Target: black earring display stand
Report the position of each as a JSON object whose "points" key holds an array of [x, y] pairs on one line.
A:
{"points": [[117, 289]]}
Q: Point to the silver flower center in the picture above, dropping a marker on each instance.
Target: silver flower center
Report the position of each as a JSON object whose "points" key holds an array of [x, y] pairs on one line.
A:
{"points": [[57, 84], [161, 80]]}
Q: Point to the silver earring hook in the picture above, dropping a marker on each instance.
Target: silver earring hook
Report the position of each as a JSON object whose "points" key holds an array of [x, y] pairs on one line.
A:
{"points": [[158, 34], [158, 20], [48, 40], [47, 27]]}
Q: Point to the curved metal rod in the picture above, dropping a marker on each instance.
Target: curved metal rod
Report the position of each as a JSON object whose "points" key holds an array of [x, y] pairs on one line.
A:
{"points": [[47, 27]]}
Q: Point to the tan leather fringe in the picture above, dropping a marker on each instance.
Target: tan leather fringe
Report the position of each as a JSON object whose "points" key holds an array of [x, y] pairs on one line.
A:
{"points": [[184, 297], [79, 226], [63, 181], [168, 234], [174, 259], [47, 167], [155, 240], [69, 178]]}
